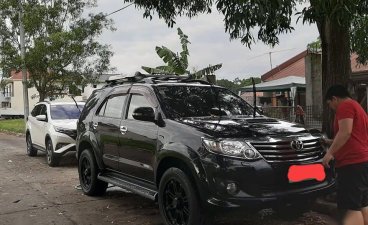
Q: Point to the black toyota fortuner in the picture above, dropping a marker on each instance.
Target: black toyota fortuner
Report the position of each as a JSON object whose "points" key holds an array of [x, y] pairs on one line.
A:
{"points": [[192, 146]]}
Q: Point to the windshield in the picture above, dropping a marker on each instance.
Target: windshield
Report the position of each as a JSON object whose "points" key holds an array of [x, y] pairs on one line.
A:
{"points": [[202, 101], [64, 112]]}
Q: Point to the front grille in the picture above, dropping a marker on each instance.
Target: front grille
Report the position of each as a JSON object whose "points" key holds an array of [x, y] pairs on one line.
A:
{"points": [[281, 151], [70, 133]]}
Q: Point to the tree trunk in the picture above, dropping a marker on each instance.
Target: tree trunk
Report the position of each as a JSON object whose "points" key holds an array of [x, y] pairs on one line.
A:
{"points": [[42, 96], [336, 65]]}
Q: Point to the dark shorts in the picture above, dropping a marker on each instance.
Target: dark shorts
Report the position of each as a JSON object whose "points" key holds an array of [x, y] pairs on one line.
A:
{"points": [[352, 186]]}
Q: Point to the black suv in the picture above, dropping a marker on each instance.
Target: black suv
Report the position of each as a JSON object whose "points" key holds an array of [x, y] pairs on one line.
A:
{"points": [[192, 146]]}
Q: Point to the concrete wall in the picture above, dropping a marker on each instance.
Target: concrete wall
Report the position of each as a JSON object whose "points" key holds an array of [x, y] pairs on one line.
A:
{"points": [[17, 99], [313, 79]]}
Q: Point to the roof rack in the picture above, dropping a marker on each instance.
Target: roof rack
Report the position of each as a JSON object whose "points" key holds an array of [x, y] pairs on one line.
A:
{"points": [[150, 79]]}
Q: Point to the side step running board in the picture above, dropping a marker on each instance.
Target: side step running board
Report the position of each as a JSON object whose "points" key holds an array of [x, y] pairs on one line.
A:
{"points": [[138, 189]]}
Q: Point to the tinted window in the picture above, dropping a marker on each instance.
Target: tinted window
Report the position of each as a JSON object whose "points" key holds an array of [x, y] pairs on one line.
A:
{"points": [[63, 112], [43, 110], [91, 103], [135, 102], [114, 106], [200, 101], [36, 110], [101, 111]]}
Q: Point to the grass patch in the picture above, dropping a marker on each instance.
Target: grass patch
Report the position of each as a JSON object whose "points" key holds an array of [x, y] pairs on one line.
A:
{"points": [[13, 126]]}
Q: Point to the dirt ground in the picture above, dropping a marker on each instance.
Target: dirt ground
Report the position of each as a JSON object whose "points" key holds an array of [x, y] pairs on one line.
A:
{"points": [[33, 193]]}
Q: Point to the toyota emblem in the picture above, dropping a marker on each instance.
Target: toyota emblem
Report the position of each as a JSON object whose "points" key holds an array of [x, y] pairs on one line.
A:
{"points": [[297, 145]]}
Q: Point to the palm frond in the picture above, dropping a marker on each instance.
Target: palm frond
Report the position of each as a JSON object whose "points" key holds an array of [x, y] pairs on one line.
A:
{"points": [[207, 71], [171, 59], [184, 45], [152, 70]]}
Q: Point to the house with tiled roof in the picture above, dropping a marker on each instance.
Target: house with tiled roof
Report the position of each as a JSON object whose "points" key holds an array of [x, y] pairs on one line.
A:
{"points": [[12, 96], [308, 65], [294, 66]]}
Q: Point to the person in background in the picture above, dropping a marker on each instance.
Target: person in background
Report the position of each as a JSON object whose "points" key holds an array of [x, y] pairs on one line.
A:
{"points": [[349, 149], [299, 115]]}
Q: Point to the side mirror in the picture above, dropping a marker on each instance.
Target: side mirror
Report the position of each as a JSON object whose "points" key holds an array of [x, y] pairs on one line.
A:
{"points": [[144, 114], [41, 118]]}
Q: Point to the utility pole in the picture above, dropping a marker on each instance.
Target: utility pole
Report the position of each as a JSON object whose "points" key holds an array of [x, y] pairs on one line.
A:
{"points": [[24, 70], [270, 59]]}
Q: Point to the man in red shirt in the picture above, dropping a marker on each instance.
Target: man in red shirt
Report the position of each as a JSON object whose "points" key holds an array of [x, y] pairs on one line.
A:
{"points": [[349, 148]]}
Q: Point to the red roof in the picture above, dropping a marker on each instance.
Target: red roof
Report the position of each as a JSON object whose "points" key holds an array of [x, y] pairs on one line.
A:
{"points": [[17, 75], [292, 67], [296, 67]]}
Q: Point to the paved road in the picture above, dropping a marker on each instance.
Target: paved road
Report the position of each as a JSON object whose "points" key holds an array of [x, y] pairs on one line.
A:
{"points": [[33, 193]]}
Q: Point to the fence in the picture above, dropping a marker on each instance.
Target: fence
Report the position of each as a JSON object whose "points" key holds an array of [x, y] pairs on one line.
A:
{"points": [[312, 115]]}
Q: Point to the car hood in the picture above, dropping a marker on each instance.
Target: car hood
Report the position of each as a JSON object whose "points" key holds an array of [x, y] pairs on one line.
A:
{"points": [[244, 127], [67, 124]]}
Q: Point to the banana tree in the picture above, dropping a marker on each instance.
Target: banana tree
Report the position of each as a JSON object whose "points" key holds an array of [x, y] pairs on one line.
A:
{"points": [[178, 63]]}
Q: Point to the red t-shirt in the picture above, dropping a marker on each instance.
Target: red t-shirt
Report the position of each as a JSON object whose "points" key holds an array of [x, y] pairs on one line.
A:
{"points": [[355, 149]]}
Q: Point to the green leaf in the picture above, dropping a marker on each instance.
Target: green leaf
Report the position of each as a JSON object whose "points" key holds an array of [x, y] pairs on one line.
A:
{"points": [[207, 71]]}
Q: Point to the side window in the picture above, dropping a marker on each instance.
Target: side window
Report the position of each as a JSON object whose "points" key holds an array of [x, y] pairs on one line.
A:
{"points": [[113, 107], [36, 110], [101, 111], [43, 110], [135, 102]]}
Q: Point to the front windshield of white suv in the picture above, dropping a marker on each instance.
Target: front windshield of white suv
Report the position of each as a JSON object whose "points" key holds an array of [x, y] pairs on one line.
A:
{"points": [[64, 112]]}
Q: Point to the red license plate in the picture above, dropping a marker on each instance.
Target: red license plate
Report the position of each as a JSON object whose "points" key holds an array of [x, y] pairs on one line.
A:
{"points": [[298, 173]]}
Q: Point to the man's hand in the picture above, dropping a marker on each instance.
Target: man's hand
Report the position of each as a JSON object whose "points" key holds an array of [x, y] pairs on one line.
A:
{"points": [[327, 159], [326, 141]]}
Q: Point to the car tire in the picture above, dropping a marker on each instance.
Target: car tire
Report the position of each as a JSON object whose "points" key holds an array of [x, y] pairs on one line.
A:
{"points": [[178, 200], [31, 151], [88, 171], [52, 159]]}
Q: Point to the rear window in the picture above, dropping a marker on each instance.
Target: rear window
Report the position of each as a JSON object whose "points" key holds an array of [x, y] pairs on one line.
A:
{"points": [[64, 112]]}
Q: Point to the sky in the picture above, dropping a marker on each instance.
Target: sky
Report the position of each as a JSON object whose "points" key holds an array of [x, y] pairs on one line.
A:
{"points": [[135, 39]]}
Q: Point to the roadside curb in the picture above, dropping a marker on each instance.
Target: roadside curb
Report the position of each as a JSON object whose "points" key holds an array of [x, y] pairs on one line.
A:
{"points": [[12, 133]]}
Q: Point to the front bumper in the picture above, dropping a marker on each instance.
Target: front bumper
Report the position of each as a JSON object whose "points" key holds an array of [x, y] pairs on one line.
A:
{"points": [[259, 184], [62, 143]]}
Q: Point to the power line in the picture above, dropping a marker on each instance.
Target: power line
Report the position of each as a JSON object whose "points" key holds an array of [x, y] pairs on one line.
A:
{"points": [[267, 53], [119, 10], [270, 53]]}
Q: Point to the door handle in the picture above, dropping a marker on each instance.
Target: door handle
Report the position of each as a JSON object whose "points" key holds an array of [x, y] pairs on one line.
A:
{"points": [[95, 125], [123, 129]]}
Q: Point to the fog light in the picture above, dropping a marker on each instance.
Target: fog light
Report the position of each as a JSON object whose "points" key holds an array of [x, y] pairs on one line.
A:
{"points": [[250, 154], [60, 145], [231, 188]]}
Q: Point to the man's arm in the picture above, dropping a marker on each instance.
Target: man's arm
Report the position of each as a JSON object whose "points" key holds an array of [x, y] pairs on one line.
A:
{"points": [[342, 136]]}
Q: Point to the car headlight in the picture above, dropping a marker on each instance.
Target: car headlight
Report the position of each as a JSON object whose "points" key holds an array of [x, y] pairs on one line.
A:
{"points": [[232, 148], [61, 129]]}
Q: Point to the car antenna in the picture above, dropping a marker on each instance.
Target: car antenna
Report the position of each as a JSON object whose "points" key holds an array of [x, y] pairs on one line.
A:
{"points": [[254, 97], [76, 104]]}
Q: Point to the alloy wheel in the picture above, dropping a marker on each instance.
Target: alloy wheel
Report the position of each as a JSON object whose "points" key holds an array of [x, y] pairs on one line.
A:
{"points": [[176, 203], [86, 174], [49, 152], [29, 144]]}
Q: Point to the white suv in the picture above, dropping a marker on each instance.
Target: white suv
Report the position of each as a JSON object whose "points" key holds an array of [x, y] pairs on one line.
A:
{"points": [[51, 127]]}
